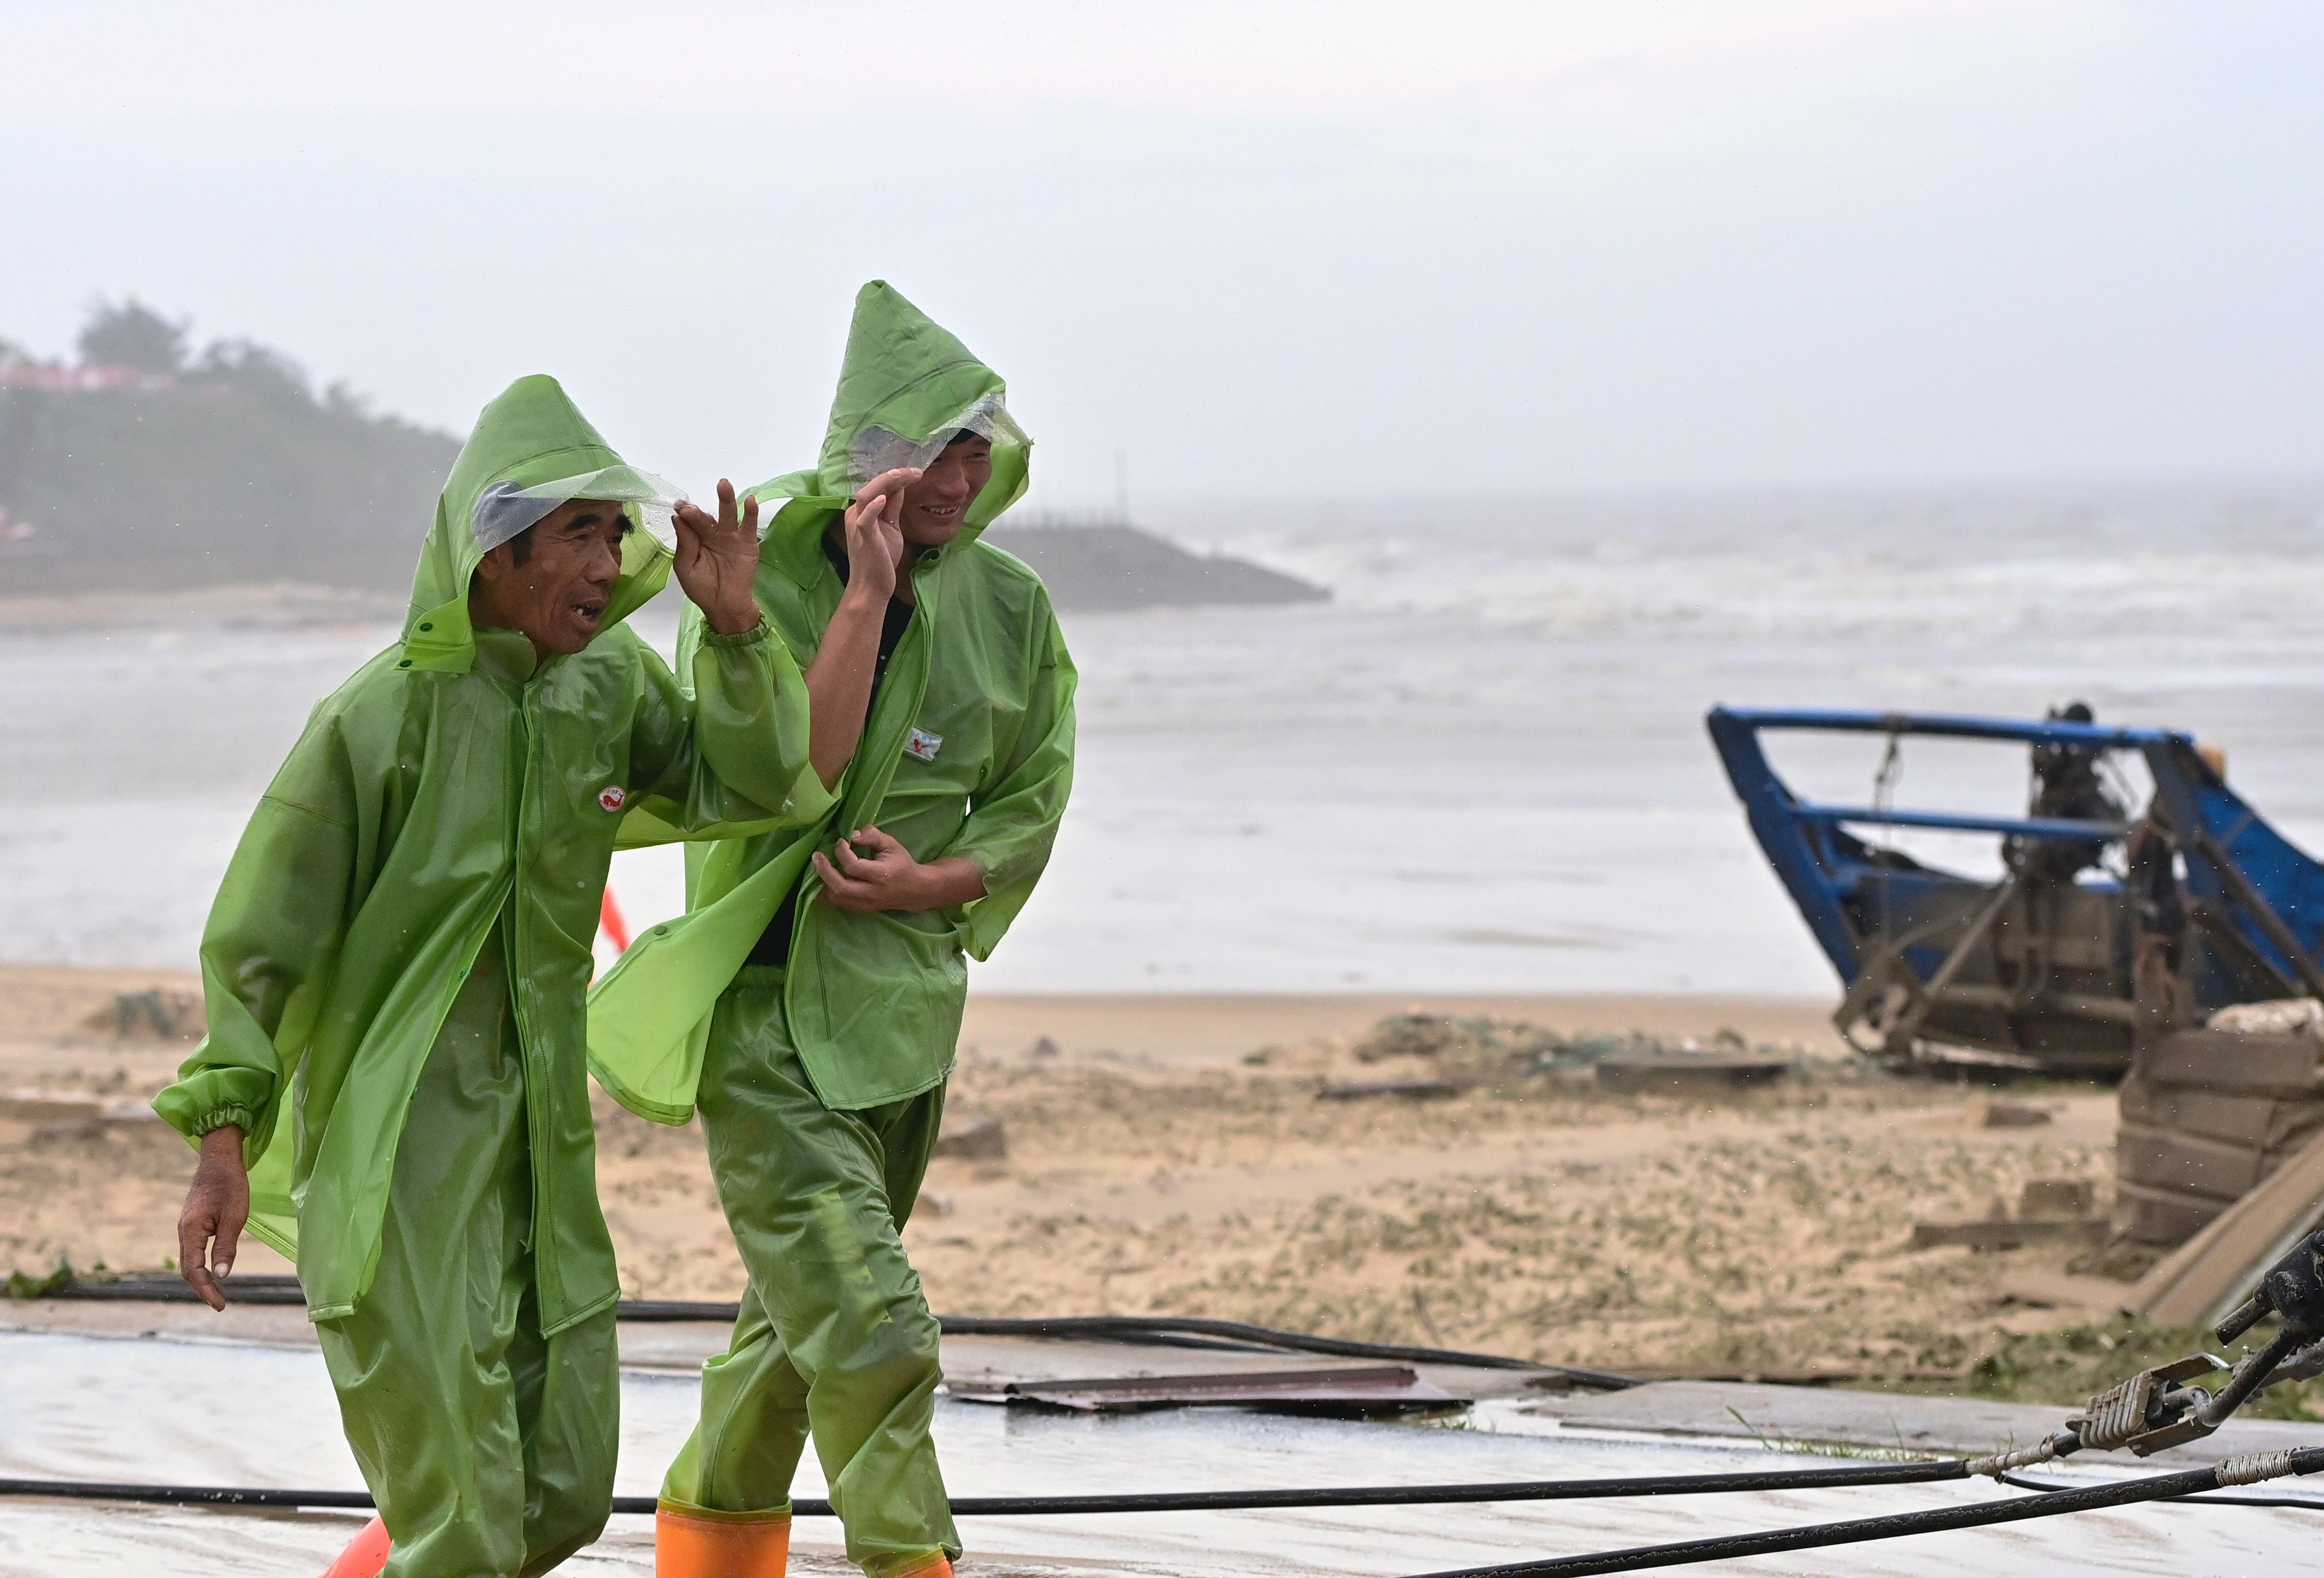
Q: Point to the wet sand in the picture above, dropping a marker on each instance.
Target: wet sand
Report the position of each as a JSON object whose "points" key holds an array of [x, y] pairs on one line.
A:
{"points": [[1192, 1028], [1169, 1155]]}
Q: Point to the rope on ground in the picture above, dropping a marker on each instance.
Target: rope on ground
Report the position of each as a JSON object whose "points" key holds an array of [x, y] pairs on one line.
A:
{"points": [[1823, 1478], [1897, 1525]]}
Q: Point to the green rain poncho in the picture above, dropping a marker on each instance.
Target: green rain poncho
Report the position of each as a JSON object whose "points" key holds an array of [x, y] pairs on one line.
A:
{"points": [[451, 792], [968, 752], [820, 1081]]}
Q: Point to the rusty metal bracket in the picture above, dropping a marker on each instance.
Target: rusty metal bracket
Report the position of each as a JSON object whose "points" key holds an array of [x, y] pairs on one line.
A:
{"points": [[2150, 1411], [1922, 997]]}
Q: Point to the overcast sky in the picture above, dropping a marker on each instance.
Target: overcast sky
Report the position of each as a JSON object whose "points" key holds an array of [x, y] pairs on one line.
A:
{"points": [[1270, 250]]}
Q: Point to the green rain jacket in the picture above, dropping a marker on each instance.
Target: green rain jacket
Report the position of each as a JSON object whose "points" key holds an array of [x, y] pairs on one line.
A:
{"points": [[450, 786], [969, 751]]}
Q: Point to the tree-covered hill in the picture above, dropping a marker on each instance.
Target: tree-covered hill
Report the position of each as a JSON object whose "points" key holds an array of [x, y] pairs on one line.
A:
{"points": [[148, 466], [145, 466]]}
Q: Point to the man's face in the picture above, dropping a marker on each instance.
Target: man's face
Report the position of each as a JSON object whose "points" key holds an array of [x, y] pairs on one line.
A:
{"points": [[935, 506], [558, 595]]}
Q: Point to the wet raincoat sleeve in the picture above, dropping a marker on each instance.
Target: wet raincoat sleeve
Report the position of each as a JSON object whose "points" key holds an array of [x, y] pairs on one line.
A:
{"points": [[1012, 825], [730, 757], [271, 942]]}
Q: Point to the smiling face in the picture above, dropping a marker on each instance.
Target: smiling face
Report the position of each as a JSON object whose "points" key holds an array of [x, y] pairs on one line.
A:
{"points": [[553, 580], [935, 505]]}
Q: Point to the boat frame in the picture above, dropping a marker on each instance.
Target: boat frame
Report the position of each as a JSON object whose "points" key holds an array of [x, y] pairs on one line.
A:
{"points": [[2036, 973]]}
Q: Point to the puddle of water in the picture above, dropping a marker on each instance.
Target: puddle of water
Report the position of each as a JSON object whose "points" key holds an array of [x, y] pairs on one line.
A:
{"points": [[170, 1411]]}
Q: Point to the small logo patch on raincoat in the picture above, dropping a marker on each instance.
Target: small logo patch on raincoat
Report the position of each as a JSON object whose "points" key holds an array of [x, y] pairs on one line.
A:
{"points": [[612, 796], [922, 746]]}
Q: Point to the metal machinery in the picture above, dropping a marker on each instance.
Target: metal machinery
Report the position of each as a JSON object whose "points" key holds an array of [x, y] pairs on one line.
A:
{"points": [[2109, 930]]}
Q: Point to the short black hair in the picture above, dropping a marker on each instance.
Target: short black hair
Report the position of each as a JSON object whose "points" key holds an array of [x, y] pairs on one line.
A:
{"points": [[519, 547]]}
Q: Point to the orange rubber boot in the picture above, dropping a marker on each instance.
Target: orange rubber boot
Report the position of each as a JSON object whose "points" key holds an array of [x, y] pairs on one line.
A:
{"points": [[691, 1542], [366, 1554], [936, 1566]]}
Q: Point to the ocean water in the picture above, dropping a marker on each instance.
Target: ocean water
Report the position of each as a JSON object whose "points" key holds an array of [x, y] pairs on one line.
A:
{"points": [[1481, 768]]}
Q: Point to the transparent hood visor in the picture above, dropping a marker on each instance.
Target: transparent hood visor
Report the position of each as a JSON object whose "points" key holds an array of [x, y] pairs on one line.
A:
{"points": [[877, 449], [504, 510]]}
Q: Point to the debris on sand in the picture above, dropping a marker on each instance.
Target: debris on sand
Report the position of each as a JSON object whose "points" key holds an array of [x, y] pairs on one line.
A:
{"points": [[1472, 1050], [1682, 1074], [2049, 1211], [973, 1137], [164, 1014], [1407, 1090]]}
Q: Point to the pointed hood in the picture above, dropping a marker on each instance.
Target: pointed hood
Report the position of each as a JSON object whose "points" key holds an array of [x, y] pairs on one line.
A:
{"points": [[531, 446], [905, 386]]}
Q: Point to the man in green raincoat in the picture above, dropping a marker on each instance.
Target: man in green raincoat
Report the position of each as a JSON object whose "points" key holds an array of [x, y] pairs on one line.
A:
{"points": [[811, 997], [395, 972]]}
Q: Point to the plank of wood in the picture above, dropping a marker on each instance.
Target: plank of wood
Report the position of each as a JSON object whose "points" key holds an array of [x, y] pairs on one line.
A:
{"points": [[2186, 1162], [2162, 1218], [2237, 1120], [2223, 1060], [2001, 1233], [2209, 1275]]}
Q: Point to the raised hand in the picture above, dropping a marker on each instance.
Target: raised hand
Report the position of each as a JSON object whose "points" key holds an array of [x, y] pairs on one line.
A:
{"points": [[875, 534], [717, 559]]}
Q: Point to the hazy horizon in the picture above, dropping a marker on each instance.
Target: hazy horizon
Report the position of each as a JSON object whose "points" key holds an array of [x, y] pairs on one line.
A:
{"points": [[1269, 251]]}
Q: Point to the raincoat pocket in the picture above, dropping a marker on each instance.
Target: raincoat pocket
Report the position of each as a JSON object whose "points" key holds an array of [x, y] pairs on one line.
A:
{"points": [[875, 1004]]}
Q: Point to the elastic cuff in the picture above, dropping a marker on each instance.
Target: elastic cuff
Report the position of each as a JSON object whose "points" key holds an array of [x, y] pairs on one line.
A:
{"points": [[677, 1509], [754, 636], [241, 1118]]}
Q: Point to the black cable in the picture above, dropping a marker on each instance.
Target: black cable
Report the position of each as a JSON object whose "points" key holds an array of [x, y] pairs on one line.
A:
{"points": [[1132, 1328], [261, 1288], [1187, 1331], [1825, 1478], [2220, 1498], [1890, 1525]]}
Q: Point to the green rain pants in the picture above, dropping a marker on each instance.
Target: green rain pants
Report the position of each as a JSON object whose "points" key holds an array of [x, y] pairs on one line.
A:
{"points": [[489, 1447], [834, 1340]]}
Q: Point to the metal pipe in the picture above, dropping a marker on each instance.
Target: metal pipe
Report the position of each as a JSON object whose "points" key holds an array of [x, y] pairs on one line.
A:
{"points": [[2113, 1009]]}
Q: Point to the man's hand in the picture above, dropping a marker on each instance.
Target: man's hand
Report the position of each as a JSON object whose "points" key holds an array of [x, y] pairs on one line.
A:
{"points": [[216, 1207], [885, 876], [717, 558], [875, 535], [839, 679]]}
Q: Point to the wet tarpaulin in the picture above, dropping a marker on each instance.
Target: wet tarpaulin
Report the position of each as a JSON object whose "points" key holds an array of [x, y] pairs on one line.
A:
{"points": [[1351, 1392], [78, 1407]]}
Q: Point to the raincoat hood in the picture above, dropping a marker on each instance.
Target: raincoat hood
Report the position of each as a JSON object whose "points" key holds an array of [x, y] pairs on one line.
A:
{"points": [[531, 441], [906, 384]]}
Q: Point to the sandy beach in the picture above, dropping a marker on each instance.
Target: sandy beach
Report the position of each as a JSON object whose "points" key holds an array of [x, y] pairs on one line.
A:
{"points": [[1169, 1154]]}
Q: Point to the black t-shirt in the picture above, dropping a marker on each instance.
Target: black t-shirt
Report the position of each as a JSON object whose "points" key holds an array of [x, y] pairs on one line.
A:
{"points": [[774, 944]]}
